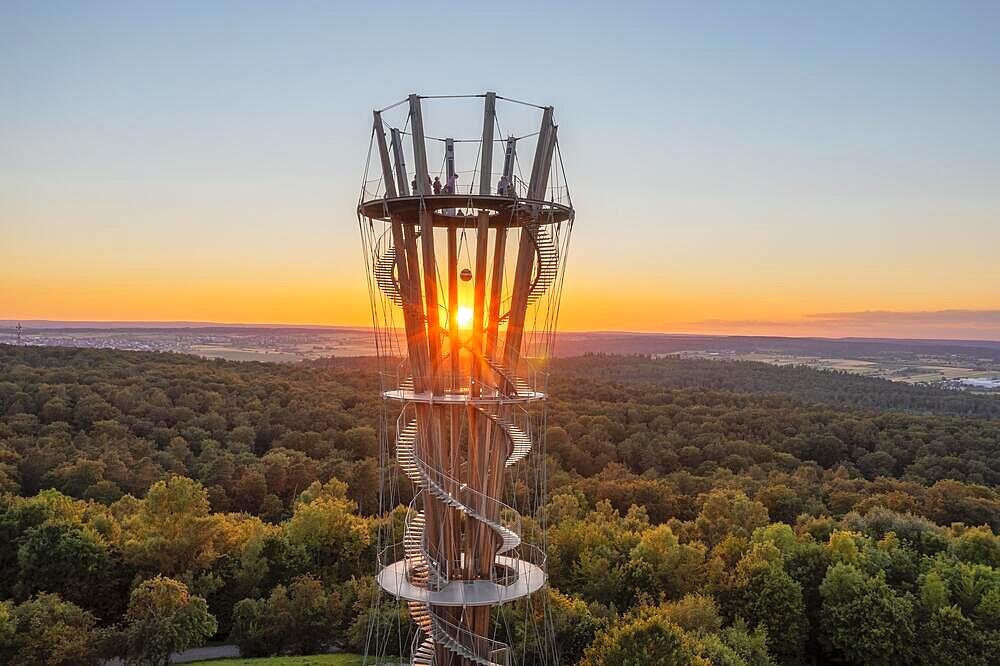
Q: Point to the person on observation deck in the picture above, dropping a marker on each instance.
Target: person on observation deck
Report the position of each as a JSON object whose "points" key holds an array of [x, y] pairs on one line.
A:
{"points": [[504, 187], [452, 184], [437, 185]]}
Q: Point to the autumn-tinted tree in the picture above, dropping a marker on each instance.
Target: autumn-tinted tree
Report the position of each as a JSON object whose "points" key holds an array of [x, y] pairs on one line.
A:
{"points": [[47, 631], [649, 638], [163, 618]]}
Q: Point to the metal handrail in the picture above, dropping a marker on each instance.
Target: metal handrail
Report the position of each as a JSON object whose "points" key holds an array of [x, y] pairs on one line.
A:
{"points": [[526, 552], [526, 382], [476, 504], [469, 645], [374, 188]]}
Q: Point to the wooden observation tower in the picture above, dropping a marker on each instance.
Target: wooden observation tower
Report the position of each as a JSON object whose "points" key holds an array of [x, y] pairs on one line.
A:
{"points": [[465, 271]]}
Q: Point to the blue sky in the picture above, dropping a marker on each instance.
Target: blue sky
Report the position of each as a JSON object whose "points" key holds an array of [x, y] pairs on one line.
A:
{"points": [[758, 162]]}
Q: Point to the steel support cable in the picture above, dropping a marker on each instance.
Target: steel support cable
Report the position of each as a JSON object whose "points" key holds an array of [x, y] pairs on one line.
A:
{"points": [[393, 106], [472, 181], [470, 96], [517, 101], [368, 161]]}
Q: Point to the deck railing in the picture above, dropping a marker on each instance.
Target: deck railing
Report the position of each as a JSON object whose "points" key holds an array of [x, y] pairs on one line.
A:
{"points": [[468, 184]]}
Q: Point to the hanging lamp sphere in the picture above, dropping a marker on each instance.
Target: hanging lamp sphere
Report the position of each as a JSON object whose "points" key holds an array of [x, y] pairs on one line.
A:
{"points": [[466, 275]]}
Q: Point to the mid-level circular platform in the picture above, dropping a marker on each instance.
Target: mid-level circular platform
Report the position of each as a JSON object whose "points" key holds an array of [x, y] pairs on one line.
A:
{"points": [[504, 211], [409, 395], [529, 578]]}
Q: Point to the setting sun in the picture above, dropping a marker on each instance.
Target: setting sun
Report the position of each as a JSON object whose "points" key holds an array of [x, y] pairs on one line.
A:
{"points": [[464, 317]]}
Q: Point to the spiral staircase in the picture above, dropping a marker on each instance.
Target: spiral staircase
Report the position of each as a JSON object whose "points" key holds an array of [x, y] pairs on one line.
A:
{"points": [[422, 570]]}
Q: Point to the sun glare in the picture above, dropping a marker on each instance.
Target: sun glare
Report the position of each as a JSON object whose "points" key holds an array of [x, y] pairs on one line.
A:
{"points": [[464, 317]]}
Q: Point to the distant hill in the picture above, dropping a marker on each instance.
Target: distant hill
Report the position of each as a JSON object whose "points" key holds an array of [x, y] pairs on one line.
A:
{"points": [[801, 382], [574, 344]]}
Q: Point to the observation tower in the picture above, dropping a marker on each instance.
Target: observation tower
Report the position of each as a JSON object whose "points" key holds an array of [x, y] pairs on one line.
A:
{"points": [[465, 276]]}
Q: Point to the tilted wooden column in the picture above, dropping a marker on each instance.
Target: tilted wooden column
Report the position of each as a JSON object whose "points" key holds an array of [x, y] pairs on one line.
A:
{"points": [[454, 448], [419, 147], [486, 159], [509, 158], [413, 308], [383, 154], [426, 242], [526, 247], [400, 163]]}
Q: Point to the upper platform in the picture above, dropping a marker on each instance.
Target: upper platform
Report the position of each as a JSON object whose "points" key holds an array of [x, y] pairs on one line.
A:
{"points": [[459, 210], [428, 154]]}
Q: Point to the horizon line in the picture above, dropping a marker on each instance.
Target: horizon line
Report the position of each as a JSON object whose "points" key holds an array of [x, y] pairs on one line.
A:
{"points": [[168, 324]]}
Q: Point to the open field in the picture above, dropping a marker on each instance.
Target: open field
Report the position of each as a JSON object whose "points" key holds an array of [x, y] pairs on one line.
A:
{"points": [[907, 368], [312, 660]]}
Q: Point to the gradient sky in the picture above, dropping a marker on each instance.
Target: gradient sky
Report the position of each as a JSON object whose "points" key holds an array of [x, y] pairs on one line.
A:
{"points": [[751, 168]]}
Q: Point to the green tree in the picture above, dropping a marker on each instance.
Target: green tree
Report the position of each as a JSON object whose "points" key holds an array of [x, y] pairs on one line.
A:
{"points": [[863, 619], [326, 526], [301, 619], [767, 597], [173, 532], [648, 638], [47, 631], [749, 646], [949, 637], [163, 618], [695, 612], [382, 620], [67, 559], [978, 545], [571, 620], [665, 566], [729, 513]]}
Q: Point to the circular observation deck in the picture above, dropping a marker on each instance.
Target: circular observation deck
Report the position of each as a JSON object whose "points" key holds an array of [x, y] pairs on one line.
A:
{"points": [[505, 211]]}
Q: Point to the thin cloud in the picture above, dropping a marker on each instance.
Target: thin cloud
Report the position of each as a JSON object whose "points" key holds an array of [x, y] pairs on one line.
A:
{"points": [[927, 317], [929, 324]]}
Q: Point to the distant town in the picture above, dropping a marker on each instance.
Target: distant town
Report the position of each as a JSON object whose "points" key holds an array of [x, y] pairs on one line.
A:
{"points": [[242, 343], [956, 364]]}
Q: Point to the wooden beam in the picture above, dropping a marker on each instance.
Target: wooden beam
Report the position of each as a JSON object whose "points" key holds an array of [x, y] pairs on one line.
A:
{"points": [[449, 170], [496, 292], [400, 162], [408, 272], [526, 247], [449, 160], [419, 147], [431, 297], [486, 161], [509, 158], [479, 299], [543, 157], [453, 339], [383, 154]]}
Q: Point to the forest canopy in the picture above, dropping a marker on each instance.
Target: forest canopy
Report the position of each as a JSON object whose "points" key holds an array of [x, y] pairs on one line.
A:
{"points": [[701, 512]]}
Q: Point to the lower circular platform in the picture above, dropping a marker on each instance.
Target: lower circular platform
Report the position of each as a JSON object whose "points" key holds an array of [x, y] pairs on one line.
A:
{"points": [[530, 578]]}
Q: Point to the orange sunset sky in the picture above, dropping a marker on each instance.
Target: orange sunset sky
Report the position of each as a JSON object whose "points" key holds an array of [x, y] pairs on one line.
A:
{"points": [[827, 173]]}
